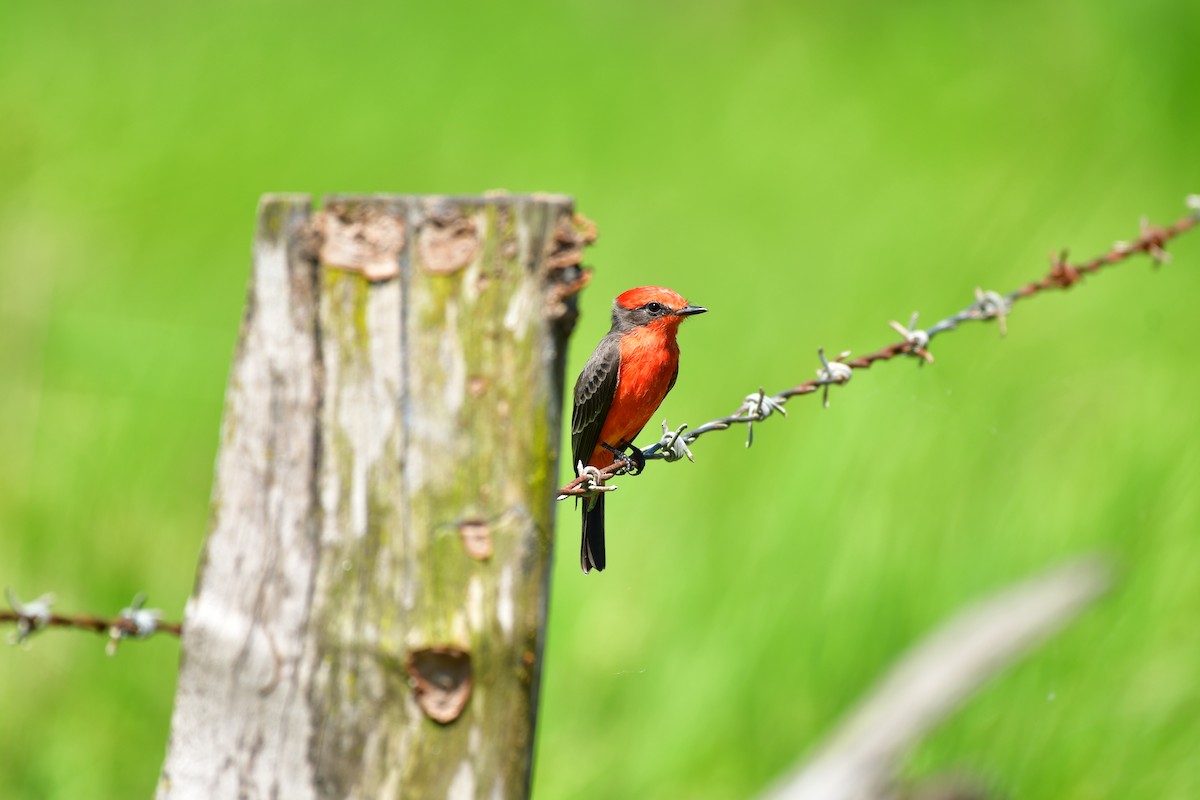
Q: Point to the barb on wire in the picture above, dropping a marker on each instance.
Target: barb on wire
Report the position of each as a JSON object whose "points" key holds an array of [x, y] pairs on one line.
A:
{"points": [[989, 305], [755, 408], [832, 373], [31, 617], [133, 622], [917, 340], [673, 445], [590, 482]]}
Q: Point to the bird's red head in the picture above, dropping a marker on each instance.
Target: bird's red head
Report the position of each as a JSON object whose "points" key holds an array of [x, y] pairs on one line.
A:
{"points": [[643, 295], [655, 306]]}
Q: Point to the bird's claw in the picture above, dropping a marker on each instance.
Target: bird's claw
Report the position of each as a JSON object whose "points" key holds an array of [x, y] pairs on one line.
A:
{"points": [[633, 462]]}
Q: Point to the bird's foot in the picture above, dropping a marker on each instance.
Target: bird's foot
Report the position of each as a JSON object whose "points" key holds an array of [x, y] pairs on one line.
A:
{"points": [[632, 462]]}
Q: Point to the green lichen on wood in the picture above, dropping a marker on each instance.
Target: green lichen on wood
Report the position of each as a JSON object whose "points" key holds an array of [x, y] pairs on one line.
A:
{"points": [[346, 293], [475, 436], [272, 219]]}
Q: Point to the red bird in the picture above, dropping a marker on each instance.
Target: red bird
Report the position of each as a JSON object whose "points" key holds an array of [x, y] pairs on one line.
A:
{"points": [[620, 388]]}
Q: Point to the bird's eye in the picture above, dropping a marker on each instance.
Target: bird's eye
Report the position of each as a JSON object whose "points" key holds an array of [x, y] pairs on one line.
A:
{"points": [[655, 308]]}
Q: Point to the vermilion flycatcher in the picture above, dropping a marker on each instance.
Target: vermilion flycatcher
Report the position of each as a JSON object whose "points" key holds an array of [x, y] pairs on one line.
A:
{"points": [[620, 388]]}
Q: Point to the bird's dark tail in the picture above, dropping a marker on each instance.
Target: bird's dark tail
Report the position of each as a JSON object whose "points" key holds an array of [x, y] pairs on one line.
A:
{"points": [[591, 549]]}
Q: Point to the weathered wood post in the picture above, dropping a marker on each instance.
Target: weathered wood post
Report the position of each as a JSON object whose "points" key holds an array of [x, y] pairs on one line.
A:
{"points": [[369, 612]]}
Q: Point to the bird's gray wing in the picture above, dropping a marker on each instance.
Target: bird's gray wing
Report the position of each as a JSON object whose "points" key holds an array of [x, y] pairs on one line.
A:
{"points": [[594, 393]]}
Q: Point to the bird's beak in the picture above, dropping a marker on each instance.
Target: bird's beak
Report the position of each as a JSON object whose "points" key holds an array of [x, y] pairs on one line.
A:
{"points": [[688, 311]]}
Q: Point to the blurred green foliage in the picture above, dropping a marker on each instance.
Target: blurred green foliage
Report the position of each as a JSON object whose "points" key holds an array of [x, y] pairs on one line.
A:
{"points": [[808, 172]]}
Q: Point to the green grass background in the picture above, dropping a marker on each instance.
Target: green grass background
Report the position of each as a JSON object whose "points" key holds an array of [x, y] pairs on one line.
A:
{"points": [[808, 171]]}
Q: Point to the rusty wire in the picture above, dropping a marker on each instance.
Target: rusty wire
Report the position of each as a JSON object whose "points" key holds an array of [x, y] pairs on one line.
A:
{"points": [[133, 622], [988, 305]]}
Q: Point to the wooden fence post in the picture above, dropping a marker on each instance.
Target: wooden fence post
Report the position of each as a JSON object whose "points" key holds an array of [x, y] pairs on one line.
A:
{"points": [[369, 612]]}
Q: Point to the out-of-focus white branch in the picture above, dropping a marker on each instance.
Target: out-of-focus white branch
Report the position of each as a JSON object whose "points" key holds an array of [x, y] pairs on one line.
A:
{"points": [[859, 760]]}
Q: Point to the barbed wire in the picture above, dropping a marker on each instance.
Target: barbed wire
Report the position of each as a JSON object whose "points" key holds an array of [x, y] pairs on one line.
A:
{"points": [[133, 621], [989, 305]]}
